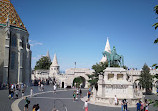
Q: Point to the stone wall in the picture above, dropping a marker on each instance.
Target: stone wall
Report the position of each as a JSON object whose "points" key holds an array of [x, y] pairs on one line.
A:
{"points": [[19, 63], [2, 45]]}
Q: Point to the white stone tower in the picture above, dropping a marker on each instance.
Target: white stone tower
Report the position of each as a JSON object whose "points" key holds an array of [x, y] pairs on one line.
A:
{"points": [[48, 55], [54, 68], [107, 48]]}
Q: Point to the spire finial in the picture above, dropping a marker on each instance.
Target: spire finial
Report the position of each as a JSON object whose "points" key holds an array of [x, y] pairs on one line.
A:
{"points": [[55, 61]]}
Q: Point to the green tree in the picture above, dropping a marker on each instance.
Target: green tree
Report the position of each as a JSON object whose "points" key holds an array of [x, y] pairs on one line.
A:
{"points": [[156, 24], [79, 80], [43, 63], [146, 79], [98, 70], [156, 41]]}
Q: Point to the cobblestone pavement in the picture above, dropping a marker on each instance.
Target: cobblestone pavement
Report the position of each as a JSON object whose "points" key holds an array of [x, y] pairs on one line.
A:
{"points": [[5, 103], [48, 101]]}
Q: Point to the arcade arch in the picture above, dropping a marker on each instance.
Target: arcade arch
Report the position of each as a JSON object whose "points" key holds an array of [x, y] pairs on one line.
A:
{"points": [[79, 82]]}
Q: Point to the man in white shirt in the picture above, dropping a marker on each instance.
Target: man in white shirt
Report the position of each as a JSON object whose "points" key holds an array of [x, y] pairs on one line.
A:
{"points": [[55, 88], [115, 99], [86, 105]]}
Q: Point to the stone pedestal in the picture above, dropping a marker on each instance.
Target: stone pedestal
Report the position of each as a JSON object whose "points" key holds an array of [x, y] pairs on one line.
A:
{"points": [[115, 83]]}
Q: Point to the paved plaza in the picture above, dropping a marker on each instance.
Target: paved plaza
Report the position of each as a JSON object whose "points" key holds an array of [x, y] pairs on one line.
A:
{"points": [[47, 100]]}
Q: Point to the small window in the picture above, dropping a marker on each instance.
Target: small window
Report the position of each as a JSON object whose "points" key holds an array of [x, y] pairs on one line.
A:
{"points": [[119, 76], [110, 76]]}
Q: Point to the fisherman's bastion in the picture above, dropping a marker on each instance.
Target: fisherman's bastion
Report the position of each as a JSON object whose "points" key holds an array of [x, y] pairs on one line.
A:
{"points": [[116, 80]]}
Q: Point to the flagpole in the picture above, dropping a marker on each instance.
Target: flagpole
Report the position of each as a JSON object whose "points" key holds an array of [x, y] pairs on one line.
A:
{"points": [[75, 65]]}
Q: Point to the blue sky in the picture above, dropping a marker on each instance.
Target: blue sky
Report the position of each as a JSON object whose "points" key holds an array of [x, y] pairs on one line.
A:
{"points": [[76, 30]]}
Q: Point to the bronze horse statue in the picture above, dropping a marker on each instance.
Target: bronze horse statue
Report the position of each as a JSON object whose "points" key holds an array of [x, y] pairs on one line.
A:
{"points": [[114, 58]]}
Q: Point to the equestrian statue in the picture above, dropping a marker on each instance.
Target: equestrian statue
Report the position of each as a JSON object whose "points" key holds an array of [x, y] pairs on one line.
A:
{"points": [[114, 58]]}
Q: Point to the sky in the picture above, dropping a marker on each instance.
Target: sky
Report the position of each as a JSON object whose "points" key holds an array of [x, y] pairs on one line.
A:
{"points": [[77, 30]]}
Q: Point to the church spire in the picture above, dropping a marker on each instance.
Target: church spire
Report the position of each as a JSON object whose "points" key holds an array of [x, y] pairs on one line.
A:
{"points": [[48, 55], [55, 62], [107, 48]]}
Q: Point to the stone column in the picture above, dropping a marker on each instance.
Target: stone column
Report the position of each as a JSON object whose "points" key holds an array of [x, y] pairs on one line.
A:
{"points": [[27, 78], [100, 86], [20, 58], [6, 56]]}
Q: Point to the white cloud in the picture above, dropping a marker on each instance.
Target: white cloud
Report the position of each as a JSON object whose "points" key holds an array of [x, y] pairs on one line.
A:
{"points": [[34, 43], [36, 58]]}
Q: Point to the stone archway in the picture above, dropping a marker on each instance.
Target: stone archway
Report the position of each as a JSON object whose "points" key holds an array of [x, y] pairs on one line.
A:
{"points": [[79, 81]]}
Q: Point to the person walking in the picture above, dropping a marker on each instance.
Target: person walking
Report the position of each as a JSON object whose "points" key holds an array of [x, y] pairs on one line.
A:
{"points": [[146, 105], [54, 88], [85, 106], [31, 92], [80, 93], [122, 105], [22, 92], [39, 86], [138, 106], [42, 87], [16, 93], [38, 108], [115, 99], [77, 92], [74, 95], [125, 104], [10, 93], [89, 94], [27, 102], [142, 106]]}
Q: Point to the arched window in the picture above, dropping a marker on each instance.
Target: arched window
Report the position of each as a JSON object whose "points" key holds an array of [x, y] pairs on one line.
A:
{"points": [[13, 55], [13, 41], [22, 42]]}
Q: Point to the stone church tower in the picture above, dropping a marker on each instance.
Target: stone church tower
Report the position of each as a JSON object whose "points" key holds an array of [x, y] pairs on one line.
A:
{"points": [[107, 48], [54, 68], [15, 53]]}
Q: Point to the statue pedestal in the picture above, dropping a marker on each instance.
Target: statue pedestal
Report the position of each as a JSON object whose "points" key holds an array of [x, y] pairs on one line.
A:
{"points": [[115, 83]]}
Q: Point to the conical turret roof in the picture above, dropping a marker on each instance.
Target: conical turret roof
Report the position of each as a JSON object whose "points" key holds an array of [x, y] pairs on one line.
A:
{"points": [[107, 48], [55, 62], [48, 55], [7, 10]]}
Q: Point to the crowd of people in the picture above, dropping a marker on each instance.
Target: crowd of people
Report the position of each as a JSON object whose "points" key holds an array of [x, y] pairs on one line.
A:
{"points": [[140, 106], [14, 90], [143, 106], [77, 93]]}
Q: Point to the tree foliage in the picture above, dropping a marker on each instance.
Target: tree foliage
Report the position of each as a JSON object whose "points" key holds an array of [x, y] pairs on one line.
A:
{"points": [[156, 41], [146, 79], [78, 80], [156, 24], [98, 70], [43, 63]]}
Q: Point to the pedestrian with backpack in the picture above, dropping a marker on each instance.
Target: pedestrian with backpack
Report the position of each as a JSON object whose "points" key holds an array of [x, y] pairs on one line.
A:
{"points": [[27, 102]]}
